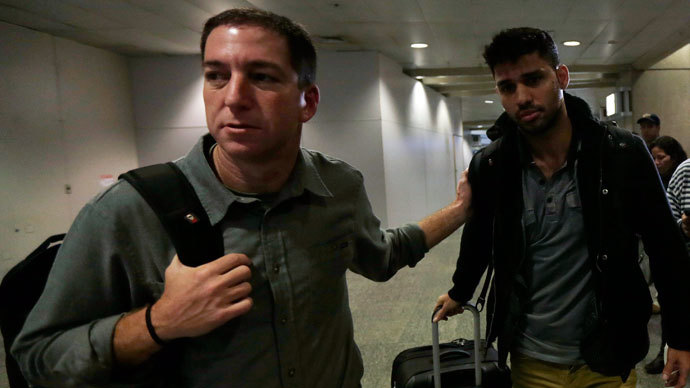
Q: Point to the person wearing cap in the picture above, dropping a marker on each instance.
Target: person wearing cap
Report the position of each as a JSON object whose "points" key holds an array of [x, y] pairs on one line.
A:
{"points": [[650, 126]]}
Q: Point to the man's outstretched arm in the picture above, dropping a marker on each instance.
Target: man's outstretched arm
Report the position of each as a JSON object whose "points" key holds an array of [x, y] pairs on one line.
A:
{"points": [[442, 223]]}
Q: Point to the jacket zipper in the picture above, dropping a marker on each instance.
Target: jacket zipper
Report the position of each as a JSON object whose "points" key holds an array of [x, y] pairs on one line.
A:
{"points": [[600, 194]]}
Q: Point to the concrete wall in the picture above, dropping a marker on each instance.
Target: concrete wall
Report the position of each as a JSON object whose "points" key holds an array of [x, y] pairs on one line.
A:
{"points": [[664, 89], [65, 119], [418, 148], [347, 124], [168, 106]]}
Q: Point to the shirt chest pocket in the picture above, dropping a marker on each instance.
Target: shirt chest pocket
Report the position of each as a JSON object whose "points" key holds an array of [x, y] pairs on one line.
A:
{"points": [[332, 257], [325, 274]]}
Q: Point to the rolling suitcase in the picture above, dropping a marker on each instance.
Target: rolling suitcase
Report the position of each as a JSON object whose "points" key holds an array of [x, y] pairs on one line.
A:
{"points": [[456, 364]]}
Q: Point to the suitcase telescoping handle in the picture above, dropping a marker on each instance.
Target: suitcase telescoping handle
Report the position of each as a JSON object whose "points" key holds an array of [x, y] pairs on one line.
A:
{"points": [[436, 353]]}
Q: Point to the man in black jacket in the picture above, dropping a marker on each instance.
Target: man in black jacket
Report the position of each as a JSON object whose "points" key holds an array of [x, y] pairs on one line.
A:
{"points": [[558, 201]]}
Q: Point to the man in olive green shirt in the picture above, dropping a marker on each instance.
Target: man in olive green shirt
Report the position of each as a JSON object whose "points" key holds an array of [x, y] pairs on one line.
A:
{"points": [[273, 311]]}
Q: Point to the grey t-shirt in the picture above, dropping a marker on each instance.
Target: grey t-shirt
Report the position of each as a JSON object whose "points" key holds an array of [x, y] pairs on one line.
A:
{"points": [[556, 271]]}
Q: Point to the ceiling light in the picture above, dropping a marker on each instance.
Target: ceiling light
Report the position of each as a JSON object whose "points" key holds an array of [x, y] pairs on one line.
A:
{"points": [[571, 43], [329, 39], [419, 45], [488, 102], [480, 126], [419, 77]]}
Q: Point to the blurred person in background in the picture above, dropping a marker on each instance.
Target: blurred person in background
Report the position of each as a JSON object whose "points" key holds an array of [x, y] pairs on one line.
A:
{"points": [[674, 169], [650, 126], [668, 155]]}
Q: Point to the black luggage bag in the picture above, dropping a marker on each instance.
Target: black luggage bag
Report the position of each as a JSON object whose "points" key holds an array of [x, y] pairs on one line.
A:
{"points": [[459, 363]]}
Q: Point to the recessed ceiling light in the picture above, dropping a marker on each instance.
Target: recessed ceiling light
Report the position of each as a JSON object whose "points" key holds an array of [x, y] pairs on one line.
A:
{"points": [[419, 45], [571, 43], [419, 77], [480, 126], [329, 39], [488, 102]]}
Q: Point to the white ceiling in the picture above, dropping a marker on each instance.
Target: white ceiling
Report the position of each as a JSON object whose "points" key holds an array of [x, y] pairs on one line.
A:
{"points": [[616, 35]]}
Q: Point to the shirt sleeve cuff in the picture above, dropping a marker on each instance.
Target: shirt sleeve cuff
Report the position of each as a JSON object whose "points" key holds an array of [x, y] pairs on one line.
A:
{"points": [[101, 335], [454, 294], [417, 243]]}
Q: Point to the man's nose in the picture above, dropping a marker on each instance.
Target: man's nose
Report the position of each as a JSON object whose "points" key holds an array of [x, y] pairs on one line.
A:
{"points": [[238, 91], [523, 94]]}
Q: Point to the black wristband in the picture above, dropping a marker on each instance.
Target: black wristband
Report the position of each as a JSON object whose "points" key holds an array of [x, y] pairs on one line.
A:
{"points": [[149, 326]]}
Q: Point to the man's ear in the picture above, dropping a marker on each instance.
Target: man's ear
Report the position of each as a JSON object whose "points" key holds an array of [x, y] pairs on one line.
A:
{"points": [[563, 75], [310, 101]]}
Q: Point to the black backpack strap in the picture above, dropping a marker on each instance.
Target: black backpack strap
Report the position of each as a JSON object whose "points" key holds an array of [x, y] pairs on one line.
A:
{"points": [[173, 199]]}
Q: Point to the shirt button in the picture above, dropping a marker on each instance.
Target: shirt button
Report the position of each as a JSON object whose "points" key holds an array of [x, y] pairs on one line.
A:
{"points": [[605, 191], [276, 268], [291, 372], [283, 320], [604, 257]]}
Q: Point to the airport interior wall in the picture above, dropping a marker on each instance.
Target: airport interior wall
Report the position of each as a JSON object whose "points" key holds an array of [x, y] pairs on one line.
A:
{"points": [[65, 119], [418, 126], [664, 89]]}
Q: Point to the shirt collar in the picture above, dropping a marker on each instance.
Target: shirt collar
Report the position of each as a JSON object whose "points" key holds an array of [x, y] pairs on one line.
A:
{"points": [[526, 156], [306, 176], [217, 199]]}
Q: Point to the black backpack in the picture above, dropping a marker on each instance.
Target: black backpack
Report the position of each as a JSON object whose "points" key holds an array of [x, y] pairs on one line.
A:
{"points": [[172, 198]]}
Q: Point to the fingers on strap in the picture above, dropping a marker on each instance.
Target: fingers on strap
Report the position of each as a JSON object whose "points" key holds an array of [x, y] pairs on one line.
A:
{"points": [[239, 308], [229, 262]]}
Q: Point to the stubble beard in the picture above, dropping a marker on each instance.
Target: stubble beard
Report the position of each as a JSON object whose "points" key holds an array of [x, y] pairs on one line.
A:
{"points": [[540, 128], [543, 125]]}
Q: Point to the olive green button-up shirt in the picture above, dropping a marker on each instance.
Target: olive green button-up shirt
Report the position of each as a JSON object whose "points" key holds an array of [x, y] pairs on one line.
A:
{"points": [[299, 332]]}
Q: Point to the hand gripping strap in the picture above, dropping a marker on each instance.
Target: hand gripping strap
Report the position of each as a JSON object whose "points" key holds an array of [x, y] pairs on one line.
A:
{"points": [[173, 199]]}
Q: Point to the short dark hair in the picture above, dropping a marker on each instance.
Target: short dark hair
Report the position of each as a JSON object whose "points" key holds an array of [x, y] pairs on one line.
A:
{"points": [[509, 45], [300, 46], [672, 148]]}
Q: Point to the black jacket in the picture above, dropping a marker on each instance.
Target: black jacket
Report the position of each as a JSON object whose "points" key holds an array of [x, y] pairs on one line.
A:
{"points": [[622, 198]]}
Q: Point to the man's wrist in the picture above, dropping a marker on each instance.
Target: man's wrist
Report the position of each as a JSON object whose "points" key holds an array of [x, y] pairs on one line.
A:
{"points": [[461, 208], [151, 329]]}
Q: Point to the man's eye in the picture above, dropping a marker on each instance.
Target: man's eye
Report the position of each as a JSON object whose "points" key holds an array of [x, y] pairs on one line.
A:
{"points": [[262, 77], [532, 81], [215, 77], [506, 88]]}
